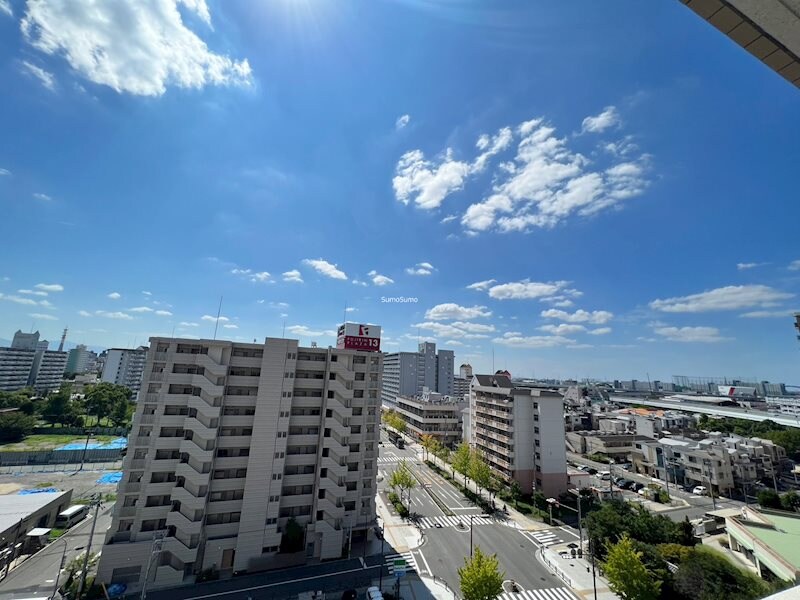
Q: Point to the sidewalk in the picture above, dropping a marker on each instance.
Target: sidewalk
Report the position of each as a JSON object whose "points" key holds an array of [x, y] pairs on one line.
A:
{"points": [[400, 535], [576, 573]]}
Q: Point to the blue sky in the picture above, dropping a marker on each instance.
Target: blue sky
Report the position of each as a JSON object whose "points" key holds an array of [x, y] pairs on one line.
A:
{"points": [[590, 189]]}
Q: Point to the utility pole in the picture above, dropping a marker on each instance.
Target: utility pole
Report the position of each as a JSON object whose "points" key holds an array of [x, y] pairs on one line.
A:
{"points": [[96, 502], [85, 448], [155, 550], [60, 568]]}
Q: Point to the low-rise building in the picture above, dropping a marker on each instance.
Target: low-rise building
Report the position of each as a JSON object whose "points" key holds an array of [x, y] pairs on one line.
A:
{"points": [[19, 514], [615, 446], [432, 414], [767, 539]]}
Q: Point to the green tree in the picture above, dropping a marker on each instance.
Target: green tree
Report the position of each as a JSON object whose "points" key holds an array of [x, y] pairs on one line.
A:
{"points": [[57, 407], [479, 470], [15, 426], [428, 443], [104, 399], [481, 578], [627, 575], [515, 491], [769, 499], [402, 479], [790, 500], [708, 575], [461, 460], [292, 538]]}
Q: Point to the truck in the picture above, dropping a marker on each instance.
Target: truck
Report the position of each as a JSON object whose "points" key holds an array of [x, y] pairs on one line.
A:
{"points": [[397, 439]]}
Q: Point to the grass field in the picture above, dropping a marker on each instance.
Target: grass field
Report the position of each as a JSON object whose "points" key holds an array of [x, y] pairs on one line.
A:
{"points": [[48, 442]]}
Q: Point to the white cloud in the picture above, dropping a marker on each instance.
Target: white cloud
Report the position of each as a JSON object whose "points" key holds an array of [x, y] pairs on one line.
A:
{"points": [[491, 146], [250, 275], [188, 324], [141, 309], [46, 78], [293, 276], [230, 326], [525, 290], [210, 318], [131, 46], [547, 182], [451, 310], [423, 268], [18, 299], [767, 314], [378, 279], [481, 286], [84, 313], [402, 121], [32, 292], [595, 317], [562, 329], [350, 309], [457, 329], [599, 123], [42, 197], [49, 287], [516, 340], [163, 313], [43, 316], [361, 283], [305, 331], [794, 265], [113, 315], [426, 183], [323, 267], [750, 265], [5, 8], [600, 331], [115, 295], [448, 218], [146, 293], [452, 343], [731, 297], [46, 304], [690, 334]]}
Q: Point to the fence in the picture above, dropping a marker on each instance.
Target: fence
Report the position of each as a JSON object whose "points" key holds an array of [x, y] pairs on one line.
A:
{"points": [[55, 457], [118, 431]]}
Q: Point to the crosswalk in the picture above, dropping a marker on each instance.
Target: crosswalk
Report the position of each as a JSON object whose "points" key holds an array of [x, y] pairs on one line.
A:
{"points": [[411, 563], [390, 459], [561, 593], [545, 538], [431, 522]]}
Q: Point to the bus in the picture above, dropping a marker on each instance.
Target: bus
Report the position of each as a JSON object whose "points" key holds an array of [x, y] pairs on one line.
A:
{"points": [[397, 439], [72, 515]]}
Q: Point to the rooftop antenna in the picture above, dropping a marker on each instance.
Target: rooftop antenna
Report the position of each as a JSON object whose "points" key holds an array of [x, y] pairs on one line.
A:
{"points": [[219, 311], [283, 333], [173, 331], [63, 339]]}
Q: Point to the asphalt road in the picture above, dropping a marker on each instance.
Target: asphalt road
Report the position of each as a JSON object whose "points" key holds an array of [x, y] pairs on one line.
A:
{"points": [[36, 576]]}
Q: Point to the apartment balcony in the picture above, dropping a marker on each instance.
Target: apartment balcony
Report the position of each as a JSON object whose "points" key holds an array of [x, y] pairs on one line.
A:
{"points": [[233, 441], [333, 485], [191, 448], [303, 440], [209, 364], [169, 576], [334, 464], [171, 420], [142, 440], [187, 499], [190, 474], [199, 429], [226, 506], [180, 521], [145, 420], [304, 420], [160, 356], [137, 463], [160, 489], [127, 511], [343, 370], [180, 550], [311, 365], [332, 509], [166, 443], [151, 397], [301, 479], [203, 407]]}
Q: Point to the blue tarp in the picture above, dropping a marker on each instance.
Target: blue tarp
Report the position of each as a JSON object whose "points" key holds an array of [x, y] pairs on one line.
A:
{"points": [[95, 445], [115, 477], [37, 491]]}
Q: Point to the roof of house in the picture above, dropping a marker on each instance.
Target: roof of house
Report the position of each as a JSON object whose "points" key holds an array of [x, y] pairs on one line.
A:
{"points": [[780, 532], [494, 381], [14, 507]]}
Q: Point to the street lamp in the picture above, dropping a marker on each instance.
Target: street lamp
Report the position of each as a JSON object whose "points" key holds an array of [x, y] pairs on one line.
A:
{"points": [[551, 502], [470, 535]]}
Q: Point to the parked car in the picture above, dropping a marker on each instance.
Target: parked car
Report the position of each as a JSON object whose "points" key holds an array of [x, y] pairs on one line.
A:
{"points": [[700, 490], [604, 475], [638, 486], [627, 484], [591, 470]]}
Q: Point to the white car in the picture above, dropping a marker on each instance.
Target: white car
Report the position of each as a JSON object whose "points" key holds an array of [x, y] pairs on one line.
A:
{"points": [[700, 490]]}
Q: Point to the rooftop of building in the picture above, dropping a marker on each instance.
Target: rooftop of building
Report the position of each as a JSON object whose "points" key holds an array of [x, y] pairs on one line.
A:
{"points": [[778, 530], [14, 507]]}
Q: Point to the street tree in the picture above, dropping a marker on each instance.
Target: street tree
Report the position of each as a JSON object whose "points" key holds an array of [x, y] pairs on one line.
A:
{"points": [[461, 460], [790, 500], [515, 491], [708, 575], [15, 426], [57, 408], [627, 575], [428, 444], [479, 470], [402, 479], [481, 578]]}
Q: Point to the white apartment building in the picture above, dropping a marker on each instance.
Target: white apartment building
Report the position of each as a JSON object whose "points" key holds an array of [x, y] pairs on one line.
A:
{"points": [[124, 366], [28, 363], [229, 442], [409, 373], [432, 414], [47, 371], [520, 431], [465, 371], [81, 360], [461, 386], [15, 367]]}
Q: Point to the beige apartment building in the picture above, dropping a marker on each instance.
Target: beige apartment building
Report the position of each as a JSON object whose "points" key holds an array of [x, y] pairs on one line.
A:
{"points": [[520, 430], [229, 442], [432, 414]]}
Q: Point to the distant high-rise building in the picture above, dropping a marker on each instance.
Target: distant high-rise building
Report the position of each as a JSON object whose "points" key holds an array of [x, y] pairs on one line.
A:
{"points": [[125, 366], [409, 373], [231, 442], [465, 371], [81, 360], [28, 363], [461, 386]]}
